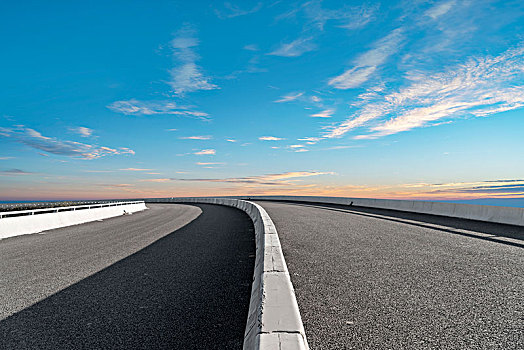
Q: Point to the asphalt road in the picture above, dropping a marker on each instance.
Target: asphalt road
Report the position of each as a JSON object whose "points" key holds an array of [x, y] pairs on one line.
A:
{"points": [[174, 276], [364, 279]]}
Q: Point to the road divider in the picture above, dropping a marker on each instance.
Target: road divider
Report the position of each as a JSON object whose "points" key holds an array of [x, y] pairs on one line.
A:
{"points": [[274, 320], [501, 215], [21, 222]]}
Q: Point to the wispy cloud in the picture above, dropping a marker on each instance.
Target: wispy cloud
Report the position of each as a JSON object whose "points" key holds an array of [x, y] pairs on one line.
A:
{"points": [[290, 97], [230, 10], [311, 140], [480, 87], [286, 178], [206, 152], [316, 16], [6, 158], [34, 139], [157, 180], [209, 163], [14, 172], [503, 188], [295, 48], [251, 47], [324, 114], [135, 169], [98, 171], [207, 137], [352, 78], [187, 76], [82, 131], [367, 63], [135, 107], [440, 9], [349, 17], [270, 138], [231, 140]]}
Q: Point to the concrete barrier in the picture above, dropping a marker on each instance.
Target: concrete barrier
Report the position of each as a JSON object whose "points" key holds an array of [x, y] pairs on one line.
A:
{"points": [[274, 319], [501, 215], [23, 222]]}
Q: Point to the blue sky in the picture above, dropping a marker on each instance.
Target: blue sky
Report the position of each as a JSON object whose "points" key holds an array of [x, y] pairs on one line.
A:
{"points": [[407, 99]]}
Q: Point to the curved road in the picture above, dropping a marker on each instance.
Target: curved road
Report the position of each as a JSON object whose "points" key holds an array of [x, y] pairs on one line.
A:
{"points": [[371, 279], [174, 276]]}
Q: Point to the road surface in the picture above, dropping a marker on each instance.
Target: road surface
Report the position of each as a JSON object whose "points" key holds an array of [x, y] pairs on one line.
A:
{"points": [[366, 280], [174, 276]]}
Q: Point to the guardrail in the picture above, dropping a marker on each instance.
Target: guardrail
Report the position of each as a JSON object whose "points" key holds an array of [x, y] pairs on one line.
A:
{"points": [[22, 222], [487, 213], [16, 213]]}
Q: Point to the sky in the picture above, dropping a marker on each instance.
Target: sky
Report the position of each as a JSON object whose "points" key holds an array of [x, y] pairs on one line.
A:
{"points": [[133, 99]]}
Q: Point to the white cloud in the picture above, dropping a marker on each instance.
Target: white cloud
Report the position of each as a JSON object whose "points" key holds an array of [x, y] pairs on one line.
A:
{"points": [[231, 140], [290, 97], [135, 169], [231, 11], [251, 47], [311, 140], [352, 78], [135, 107], [209, 163], [156, 180], [195, 138], [482, 86], [324, 114], [440, 9], [206, 152], [270, 138], [287, 178], [349, 17], [82, 131], [382, 49], [34, 139], [187, 76], [345, 17], [294, 48], [367, 63]]}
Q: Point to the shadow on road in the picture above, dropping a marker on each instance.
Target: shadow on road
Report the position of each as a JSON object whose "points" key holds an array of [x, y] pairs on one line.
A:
{"points": [[188, 290]]}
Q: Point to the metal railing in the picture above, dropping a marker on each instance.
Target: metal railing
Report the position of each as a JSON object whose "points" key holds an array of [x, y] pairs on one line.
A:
{"points": [[9, 214]]}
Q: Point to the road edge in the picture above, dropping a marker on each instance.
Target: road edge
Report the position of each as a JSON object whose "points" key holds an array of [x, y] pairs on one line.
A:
{"points": [[274, 320]]}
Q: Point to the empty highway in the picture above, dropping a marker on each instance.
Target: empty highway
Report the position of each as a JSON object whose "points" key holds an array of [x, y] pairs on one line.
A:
{"points": [[171, 277], [378, 279]]}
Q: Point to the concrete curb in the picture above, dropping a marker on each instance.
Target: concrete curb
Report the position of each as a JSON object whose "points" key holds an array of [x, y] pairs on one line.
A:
{"points": [[274, 320], [22, 222], [501, 215]]}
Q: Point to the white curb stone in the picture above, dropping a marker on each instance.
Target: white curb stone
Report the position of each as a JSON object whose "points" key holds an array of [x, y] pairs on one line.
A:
{"points": [[274, 321]]}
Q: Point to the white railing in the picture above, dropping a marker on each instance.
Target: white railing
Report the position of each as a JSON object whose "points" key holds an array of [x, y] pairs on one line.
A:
{"points": [[15, 213]]}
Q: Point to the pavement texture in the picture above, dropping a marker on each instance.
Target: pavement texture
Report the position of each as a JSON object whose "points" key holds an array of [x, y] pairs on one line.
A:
{"points": [[174, 276], [364, 282]]}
